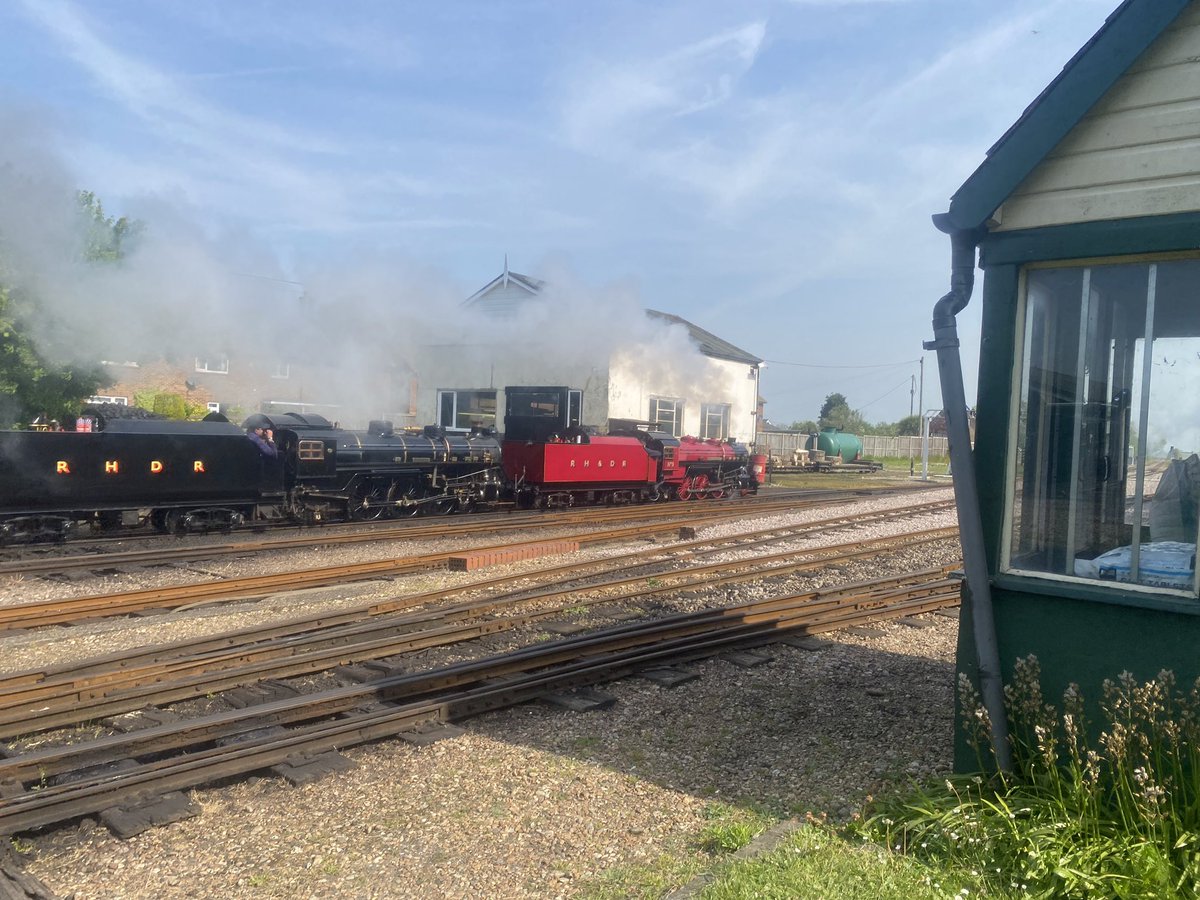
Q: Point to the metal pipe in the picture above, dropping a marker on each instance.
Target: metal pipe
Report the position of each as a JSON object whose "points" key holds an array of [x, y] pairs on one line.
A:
{"points": [[966, 492]]}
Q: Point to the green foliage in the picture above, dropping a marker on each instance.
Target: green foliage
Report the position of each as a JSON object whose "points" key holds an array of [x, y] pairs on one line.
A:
{"points": [[729, 829], [814, 863], [808, 426], [172, 406], [836, 413], [909, 425], [105, 237], [832, 402], [1117, 817], [31, 385]]}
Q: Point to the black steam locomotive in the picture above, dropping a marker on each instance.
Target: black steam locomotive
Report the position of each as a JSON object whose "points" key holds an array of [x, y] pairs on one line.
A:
{"points": [[200, 475]]}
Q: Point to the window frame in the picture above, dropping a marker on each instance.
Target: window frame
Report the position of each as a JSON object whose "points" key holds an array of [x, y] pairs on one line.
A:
{"points": [[1010, 575], [723, 412], [453, 395], [213, 364], [656, 404]]}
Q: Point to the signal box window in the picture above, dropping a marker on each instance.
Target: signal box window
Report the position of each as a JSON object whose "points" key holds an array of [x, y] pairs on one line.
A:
{"points": [[668, 414], [1104, 477], [464, 410], [714, 421]]}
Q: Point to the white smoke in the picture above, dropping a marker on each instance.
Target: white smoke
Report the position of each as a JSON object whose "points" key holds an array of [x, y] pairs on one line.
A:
{"points": [[184, 290]]}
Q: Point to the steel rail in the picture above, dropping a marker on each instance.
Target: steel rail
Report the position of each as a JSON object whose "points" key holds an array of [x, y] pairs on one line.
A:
{"points": [[524, 675], [55, 612], [73, 698], [127, 659], [441, 529]]}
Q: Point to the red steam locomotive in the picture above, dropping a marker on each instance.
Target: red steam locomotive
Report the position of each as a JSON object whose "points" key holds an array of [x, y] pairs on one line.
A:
{"points": [[551, 460]]}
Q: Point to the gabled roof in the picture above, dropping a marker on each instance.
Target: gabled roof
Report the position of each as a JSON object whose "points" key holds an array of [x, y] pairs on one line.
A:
{"points": [[1125, 35], [504, 279], [708, 342]]}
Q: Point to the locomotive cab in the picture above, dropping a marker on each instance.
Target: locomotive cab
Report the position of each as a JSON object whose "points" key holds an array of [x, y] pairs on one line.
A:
{"points": [[541, 414]]}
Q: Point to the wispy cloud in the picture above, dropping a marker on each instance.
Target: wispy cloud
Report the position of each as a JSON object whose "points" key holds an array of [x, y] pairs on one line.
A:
{"points": [[237, 155], [612, 99], [657, 113]]}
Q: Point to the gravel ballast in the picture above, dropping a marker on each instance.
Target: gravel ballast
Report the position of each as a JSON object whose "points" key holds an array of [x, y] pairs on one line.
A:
{"points": [[535, 801]]}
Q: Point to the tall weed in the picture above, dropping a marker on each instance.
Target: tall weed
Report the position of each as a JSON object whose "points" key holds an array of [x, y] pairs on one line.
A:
{"points": [[1115, 817]]}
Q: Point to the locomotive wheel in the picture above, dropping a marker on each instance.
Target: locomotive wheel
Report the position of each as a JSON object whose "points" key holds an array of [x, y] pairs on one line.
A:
{"points": [[443, 506], [404, 510], [368, 502], [166, 521], [697, 488]]}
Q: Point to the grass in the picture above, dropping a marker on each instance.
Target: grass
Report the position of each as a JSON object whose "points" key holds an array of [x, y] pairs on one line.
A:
{"points": [[1115, 815], [1104, 811], [815, 862]]}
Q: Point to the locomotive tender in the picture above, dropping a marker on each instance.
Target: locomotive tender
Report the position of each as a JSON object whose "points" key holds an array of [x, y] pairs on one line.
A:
{"points": [[191, 476]]}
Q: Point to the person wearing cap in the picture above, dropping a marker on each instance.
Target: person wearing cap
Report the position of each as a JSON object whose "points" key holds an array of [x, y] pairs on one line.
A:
{"points": [[264, 440]]}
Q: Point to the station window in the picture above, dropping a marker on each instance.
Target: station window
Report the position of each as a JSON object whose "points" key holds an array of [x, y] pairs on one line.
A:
{"points": [[463, 410], [714, 421], [668, 414], [1105, 478]]}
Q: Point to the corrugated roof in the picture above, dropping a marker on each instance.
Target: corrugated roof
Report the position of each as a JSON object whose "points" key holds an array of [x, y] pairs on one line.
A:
{"points": [[1125, 35]]}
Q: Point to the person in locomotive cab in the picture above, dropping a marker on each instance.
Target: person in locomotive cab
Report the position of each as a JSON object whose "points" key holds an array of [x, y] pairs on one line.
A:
{"points": [[264, 439]]}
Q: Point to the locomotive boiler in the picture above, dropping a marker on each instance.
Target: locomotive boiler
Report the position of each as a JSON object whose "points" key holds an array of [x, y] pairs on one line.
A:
{"points": [[379, 472]]}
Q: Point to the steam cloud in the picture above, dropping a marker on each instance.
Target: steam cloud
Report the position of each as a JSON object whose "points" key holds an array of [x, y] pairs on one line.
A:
{"points": [[183, 290]]}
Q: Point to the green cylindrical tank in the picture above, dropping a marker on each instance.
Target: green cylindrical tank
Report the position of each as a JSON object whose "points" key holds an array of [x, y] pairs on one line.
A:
{"points": [[846, 447]]}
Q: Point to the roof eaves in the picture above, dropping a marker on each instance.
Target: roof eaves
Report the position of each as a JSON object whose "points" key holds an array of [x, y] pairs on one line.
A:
{"points": [[533, 285], [709, 343], [1125, 35]]}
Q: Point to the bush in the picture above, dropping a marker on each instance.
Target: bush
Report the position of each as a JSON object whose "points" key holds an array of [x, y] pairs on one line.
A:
{"points": [[172, 406], [1118, 817]]}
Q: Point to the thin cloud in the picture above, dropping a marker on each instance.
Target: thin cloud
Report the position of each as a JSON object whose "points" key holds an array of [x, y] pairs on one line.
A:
{"points": [[679, 83]]}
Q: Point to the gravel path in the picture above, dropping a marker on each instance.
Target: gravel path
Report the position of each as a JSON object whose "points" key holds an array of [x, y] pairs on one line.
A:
{"points": [[535, 802]]}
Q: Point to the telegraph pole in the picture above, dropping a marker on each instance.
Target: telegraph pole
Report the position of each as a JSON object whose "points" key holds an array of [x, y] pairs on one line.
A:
{"points": [[920, 405]]}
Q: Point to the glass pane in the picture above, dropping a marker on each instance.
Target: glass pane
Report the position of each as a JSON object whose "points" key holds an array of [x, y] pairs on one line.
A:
{"points": [[476, 409], [1106, 485]]}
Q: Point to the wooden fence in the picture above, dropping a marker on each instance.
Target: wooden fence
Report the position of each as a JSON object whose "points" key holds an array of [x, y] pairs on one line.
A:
{"points": [[782, 443]]}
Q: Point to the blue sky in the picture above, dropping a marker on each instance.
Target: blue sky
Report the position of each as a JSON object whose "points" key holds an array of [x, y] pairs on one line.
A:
{"points": [[766, 170]]}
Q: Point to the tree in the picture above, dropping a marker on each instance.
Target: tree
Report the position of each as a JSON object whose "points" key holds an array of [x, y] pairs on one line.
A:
{"points": [[832, 402], [836, 413], [808, 426], [909, 425], [30, 383]]}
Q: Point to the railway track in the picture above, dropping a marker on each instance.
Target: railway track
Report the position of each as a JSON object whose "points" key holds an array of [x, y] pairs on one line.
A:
{"points": [[40, 700], [53, 785], [168, 549], [32, 615]]}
